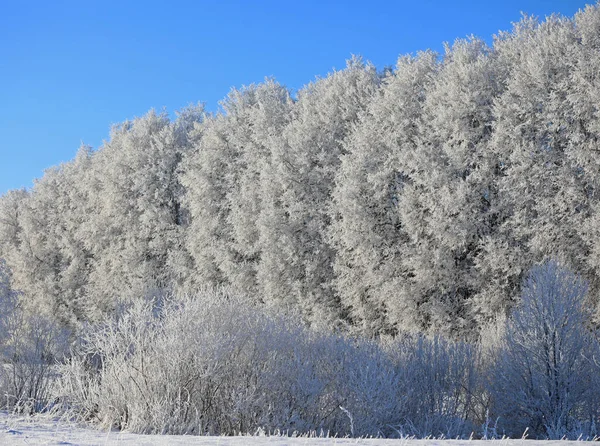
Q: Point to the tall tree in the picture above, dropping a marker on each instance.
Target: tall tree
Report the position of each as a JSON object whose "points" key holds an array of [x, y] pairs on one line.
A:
{"points": [[584, 140], [366, 229], [296, 267], [222, 177], [263, 117], [42, 244], [445, 206], [138, 215], [543, 203]]}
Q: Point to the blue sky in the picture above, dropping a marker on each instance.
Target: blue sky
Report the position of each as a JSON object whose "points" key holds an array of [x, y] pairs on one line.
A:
{"points": [[70, 69]]}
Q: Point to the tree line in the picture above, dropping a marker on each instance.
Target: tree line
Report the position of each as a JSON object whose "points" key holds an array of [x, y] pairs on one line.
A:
{"points": [[409, 200]]}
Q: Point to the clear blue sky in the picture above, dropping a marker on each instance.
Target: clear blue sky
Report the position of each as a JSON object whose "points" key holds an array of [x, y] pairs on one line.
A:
{"points": [[70, 69]]}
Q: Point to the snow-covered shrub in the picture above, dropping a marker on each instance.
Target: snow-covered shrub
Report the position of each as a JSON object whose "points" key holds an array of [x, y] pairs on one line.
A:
{"points": [[216, 363], [361, 386], [543, 379], [30, 346], [488, 346], [212, 363], [435, 386]]}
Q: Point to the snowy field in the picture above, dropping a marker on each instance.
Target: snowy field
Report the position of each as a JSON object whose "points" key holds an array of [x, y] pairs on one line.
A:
{"points": [[45, 431]]}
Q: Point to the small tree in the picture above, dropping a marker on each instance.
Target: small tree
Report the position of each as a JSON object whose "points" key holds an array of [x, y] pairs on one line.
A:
{"points": [[543, 376]]}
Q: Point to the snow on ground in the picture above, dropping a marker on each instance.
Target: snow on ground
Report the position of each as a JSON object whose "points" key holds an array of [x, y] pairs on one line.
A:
{"points": [[41, 430]]}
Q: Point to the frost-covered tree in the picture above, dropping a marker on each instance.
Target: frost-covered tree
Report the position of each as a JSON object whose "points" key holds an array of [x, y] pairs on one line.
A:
{"points": [[11, 224], [223, 180], [206, 176], [366, 230], [42, 243], [542, 205], [138, 215], [7, 294], [584, 137], [445, 206], [544, 378], [297, 263], [257, 124]]}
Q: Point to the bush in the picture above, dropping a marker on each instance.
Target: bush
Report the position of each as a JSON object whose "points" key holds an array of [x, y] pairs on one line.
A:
{"points": [[30, 347], [217, 364], [208, 364], [436, 386]]}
